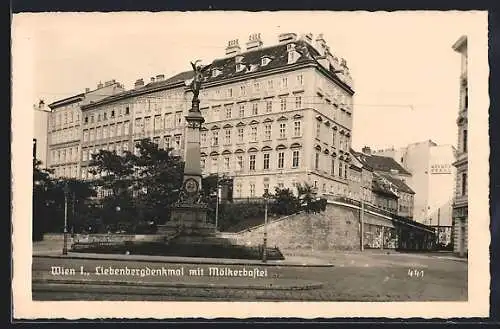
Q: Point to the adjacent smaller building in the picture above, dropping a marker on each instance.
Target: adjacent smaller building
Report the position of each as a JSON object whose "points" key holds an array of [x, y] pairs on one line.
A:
{"points": [[383, 182], [404, 193], [361, 178], [40, 133], [384, 197]]}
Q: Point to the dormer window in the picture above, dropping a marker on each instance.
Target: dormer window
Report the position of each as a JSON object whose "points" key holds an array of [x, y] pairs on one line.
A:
{"points": [[293, 55], [265, 60], [216, 72], [240, 67]]}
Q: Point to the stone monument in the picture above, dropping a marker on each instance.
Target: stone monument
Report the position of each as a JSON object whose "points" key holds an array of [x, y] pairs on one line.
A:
{"points": [[189, 215]]}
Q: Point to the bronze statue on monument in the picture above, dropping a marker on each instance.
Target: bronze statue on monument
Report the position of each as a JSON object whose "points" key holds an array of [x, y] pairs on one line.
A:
{"points": [[190, 212], [195, 84]]}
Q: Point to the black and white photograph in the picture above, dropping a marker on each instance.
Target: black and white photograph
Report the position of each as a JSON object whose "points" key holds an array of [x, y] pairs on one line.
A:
{"points": [[282, 157]]}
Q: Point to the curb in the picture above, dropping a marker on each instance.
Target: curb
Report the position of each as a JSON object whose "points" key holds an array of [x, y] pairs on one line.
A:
{"points": [[192, 260], [305, 286]]}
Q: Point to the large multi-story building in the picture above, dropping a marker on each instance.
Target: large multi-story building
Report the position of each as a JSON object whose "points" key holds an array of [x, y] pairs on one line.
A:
{"points": [[278, 116], [432, 179], [460, 203], [275, 116], [64, 129], [64, 136], [116, 123]]}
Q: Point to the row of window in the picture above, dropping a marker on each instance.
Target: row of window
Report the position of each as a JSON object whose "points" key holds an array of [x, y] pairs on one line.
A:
{"points": [[107, 131], [326, 163], [255, 133], [343, 140], [64, 135], [173, 142], [462, 190], [67, 171], [340, 115], [237, 163], [105, 115], [67, 116], [250, 189], [64, 155], [246, 88], [254, 107], [148, 124], [119, 147], [168, 142], [336, 93]]}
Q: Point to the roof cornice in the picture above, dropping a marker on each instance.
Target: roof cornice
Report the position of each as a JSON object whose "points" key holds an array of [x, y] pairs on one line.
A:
{"points": [[65, 101], [132, 93]]}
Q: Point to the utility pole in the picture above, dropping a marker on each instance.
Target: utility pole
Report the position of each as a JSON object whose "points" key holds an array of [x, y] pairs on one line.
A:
{"points": [[362, 228], [264, 245], [34, 148], [217, 205], [439, 223], [73, 212], [65, 246]]}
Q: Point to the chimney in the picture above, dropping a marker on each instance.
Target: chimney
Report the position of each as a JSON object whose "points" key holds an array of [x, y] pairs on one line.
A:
{"points": [[87, 90], [287, 37], [152, 79], [108, 83], [254, 42], [233, 48], [367, 150], [139, 83], [160, 77], [309, 37], [100, 85], [321, 44]]}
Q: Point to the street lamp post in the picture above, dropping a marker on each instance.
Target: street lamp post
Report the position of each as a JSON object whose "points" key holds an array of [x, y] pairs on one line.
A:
{"points": [[65, 245], [264, 245], [217, 206]]}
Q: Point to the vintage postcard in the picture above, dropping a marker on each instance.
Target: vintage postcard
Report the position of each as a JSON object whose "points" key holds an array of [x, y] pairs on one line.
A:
{"points": [[322, 164]]}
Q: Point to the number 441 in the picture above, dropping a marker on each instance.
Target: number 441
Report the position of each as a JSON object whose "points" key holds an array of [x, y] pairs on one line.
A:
{"points": [[415, 273]]}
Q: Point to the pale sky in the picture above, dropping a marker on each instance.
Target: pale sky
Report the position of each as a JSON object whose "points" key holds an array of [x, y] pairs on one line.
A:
{"points": [[404, 69]]}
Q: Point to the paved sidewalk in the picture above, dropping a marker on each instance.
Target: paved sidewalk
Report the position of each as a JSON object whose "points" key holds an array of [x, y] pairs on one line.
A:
{"points": [[265, 284]]}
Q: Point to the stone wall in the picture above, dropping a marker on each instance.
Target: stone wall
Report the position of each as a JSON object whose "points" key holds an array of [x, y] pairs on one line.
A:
{"points": [[332, 229], [337, 228]]}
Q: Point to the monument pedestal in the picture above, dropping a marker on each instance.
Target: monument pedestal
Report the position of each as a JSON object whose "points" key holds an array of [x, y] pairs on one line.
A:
{"points": [[188, 227], [191, 219]]}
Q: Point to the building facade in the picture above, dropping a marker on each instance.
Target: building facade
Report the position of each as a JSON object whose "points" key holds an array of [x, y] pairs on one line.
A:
{"points": [[384, 197], [154, 110], [432, 178], [275, 116], [360, 180], [460, 202], [387, 174], [278, 116], [64, 129], [64, 136]]}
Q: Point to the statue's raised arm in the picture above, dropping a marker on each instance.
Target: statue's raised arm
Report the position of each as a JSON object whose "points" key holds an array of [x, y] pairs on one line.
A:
{"points": [[197, 78]]}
